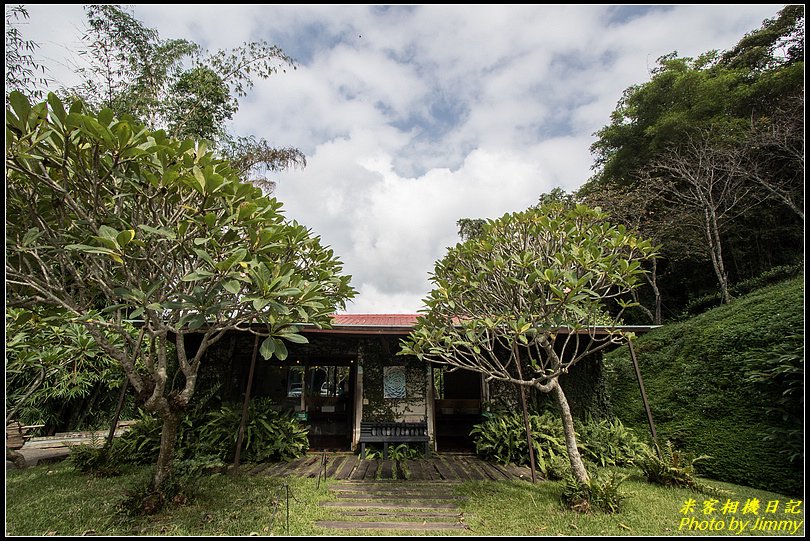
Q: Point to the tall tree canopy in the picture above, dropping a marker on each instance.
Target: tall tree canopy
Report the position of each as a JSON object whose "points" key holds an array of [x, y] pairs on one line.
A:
{"points": [[745, 106], [106, 214], [176, 85]]}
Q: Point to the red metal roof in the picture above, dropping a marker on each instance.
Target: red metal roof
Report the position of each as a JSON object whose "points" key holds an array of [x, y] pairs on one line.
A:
{"points": [[375, 320]]}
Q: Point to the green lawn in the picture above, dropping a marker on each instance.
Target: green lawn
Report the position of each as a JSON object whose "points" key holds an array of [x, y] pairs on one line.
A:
{"points": [[54, 499]]}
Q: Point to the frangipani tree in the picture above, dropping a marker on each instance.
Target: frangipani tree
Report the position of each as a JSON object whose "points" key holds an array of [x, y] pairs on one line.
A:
{"points": [[525, 301], [105, 214]]}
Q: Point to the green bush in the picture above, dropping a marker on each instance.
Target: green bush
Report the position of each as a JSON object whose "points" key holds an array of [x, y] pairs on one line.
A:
{"points": [[502, 439], [403, 451], [269, 435], [673, 469], [726, 383], [601, 493], [609, 443], [94, 460]]}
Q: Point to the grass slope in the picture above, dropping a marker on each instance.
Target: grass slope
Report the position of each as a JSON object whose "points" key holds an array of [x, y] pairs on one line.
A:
{"points": [[695, 374]]}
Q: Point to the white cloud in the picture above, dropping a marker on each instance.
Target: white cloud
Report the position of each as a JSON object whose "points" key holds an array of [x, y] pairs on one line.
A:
{"points": [[414, 117]]}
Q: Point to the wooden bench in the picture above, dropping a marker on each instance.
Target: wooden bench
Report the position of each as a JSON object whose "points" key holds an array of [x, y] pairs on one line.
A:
{"points": [[17, 434], [390, 432]]}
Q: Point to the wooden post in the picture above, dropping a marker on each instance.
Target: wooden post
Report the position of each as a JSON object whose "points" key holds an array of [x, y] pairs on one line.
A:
{"points": [[117, 415], [644, 397], [241, 434], [430, 407], [526, 417]]}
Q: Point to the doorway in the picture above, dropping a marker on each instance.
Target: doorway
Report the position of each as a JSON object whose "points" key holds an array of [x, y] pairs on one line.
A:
{"points": [[457, 404]]}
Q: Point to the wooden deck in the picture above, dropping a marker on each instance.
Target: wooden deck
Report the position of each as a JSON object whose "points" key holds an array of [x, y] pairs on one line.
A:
{"points": [[349, 467]]}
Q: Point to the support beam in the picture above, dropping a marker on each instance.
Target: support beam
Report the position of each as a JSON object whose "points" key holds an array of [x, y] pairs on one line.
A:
{"points": [[644, 397], [241, 434]]}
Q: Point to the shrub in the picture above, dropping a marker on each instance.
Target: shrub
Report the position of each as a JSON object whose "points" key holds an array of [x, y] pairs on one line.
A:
{"points": [[94, 460], [269, 435], [601, 493], [609, 443], [502, 439], [673, 469], [403, 451]]}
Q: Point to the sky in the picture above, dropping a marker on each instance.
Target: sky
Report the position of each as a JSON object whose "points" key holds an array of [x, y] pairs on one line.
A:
{"points": [[412, 117]]}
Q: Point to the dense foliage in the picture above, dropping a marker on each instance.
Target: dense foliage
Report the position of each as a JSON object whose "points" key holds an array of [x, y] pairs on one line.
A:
{"points": [[601, 493], [205, 435], [501, 438], [726, 383], [56, 373], [707, 158], [269, 435], [673, 468], [105, 214]]}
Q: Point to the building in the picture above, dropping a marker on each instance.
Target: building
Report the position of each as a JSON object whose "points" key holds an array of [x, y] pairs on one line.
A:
{"points": [[351, 373]]}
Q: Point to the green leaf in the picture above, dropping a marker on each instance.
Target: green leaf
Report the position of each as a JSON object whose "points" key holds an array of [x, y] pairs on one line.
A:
{"points": [[107, 232], [105, 117], [20, 105], [56, 107], [30, 236], [268, 347], [259, 303], [95, 250], [295, 338], [196, 275], [281, 350], [234, 258], [232, 286], [125, 237], [200, 178]]}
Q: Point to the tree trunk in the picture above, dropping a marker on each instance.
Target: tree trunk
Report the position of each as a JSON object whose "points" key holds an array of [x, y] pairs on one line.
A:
{"points": [[577, 466], [168, 440], [653, 280], [716, 253]]}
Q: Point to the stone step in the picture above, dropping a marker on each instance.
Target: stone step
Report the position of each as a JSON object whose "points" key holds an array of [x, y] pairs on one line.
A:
{"points": [[383, 496], [389, 505], [346, 525], [401, 514]]}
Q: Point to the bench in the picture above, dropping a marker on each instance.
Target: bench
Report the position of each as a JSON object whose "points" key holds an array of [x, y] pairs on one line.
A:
{"points": [[390, 432], [17, 434]]}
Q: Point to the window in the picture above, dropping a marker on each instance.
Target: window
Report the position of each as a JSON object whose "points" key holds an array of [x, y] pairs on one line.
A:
{"points": [[394, 382]]}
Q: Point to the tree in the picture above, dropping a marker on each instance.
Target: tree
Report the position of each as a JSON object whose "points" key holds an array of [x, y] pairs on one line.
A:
{"points": [[104, 213], [751, 100], [528, 293], [775, 154], [22, 71], [469, 228], [639, 209], [177, 86], [705, 179]]}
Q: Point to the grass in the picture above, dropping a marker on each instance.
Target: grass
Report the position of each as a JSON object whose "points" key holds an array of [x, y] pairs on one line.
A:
{"points": [[53, 499]]}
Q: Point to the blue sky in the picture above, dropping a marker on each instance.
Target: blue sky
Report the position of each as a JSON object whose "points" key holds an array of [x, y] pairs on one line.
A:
{"points": [[412, 117]]}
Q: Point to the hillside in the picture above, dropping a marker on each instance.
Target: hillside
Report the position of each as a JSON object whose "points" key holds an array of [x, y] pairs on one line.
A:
{"points": [[727, 383]]}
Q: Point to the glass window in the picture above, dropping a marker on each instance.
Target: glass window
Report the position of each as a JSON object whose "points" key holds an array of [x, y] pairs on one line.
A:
{"points": [[394, 381]]}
